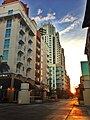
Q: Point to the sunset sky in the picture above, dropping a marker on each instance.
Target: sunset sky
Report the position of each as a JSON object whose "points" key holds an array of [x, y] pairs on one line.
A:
{"points": [[67, 16]]}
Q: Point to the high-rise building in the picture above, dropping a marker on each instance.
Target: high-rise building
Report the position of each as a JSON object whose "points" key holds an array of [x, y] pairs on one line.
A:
{"points": [[17, 43], [56, 56]]}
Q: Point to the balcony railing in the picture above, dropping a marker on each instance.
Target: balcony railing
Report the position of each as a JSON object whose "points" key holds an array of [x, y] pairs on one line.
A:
{"points": [[29, 39], [22, 29], [20, 60], [29, 47], [22, 39], [20, 48], [29, 66], [17, 71], [29, 57]]}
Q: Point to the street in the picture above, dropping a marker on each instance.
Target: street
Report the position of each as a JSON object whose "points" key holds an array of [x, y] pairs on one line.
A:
{"points": [[61, 110]]}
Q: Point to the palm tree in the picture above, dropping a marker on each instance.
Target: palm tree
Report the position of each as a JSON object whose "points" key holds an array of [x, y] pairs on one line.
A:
{"points": [[4, 67]]}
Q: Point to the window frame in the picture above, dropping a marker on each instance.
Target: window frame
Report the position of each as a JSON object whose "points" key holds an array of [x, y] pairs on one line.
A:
{"points": [[6, 43]]}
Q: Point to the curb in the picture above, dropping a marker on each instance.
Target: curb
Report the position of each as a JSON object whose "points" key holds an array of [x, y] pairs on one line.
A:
{"points": [[87, 107]]}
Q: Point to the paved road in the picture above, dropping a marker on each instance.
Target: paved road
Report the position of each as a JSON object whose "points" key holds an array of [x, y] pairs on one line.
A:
{"points": [[61, 110]]}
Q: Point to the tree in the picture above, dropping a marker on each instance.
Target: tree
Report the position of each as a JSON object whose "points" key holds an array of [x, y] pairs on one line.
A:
{"points": [[4, 67]]}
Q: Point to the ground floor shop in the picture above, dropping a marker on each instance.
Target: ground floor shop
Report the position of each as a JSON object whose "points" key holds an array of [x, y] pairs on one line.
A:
{"points": [[10, 85]]}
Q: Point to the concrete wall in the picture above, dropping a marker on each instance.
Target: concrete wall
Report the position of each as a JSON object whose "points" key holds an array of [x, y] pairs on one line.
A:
{"points": [[86, 92]]}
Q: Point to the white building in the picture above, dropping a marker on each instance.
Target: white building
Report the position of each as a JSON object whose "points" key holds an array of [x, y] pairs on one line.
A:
{"points": [[56, 56]]}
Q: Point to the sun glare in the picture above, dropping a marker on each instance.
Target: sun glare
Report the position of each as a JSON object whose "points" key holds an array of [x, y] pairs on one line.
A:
{"points": [[73, 90]]}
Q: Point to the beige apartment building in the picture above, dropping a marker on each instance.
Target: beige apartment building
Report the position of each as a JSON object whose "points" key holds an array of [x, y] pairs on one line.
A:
{"points": [[17, 43], [23, 50]]}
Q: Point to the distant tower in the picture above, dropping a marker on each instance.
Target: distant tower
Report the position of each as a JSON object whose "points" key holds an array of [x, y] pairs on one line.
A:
{"points": [[56, 56]]}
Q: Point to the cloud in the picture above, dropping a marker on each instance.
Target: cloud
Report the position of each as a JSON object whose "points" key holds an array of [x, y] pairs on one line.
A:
{"points": [[49, 16], [72, 26], [67, 18], [39, 11]]}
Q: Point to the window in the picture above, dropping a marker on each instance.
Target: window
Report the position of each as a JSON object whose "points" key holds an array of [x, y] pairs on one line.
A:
{"points": [[6, 43], [10, 11], [8, 31], [5, 55], [53, 85], [9, 23]]}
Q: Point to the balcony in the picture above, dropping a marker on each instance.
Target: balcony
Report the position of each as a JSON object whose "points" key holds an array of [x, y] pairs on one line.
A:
{"points": [[29, 57], [28, 66], [22, 28], [21, 49], [30, 47], [18, 71], [21, 40], [38, 44], [37, 66], [29, 39], [20, 60], [38, 50]]}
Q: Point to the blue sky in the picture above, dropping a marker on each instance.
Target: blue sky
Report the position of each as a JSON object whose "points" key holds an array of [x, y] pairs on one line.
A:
{"points": [[67, 17]]}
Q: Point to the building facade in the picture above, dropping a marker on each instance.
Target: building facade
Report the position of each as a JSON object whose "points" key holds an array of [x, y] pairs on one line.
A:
{"points": [[86, 78], [85, 24], [18, 42], [38, 59], [87, 47], [56, 56], [23, 49]]}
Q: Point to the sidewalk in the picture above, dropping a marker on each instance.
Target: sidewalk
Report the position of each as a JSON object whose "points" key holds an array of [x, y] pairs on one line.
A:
{"points": [[79, 112], [87, 107]]}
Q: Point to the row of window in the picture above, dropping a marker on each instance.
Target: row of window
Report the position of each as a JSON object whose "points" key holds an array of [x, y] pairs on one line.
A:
{"points": [[7, 40]]}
